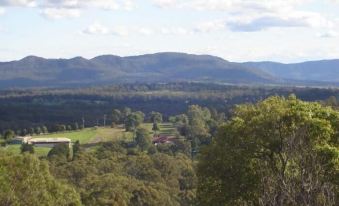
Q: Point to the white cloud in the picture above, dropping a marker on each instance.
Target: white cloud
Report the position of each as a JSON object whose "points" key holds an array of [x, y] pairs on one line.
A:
{"points": [[55, 13], [175, 31], [2, 11], [120, 31], [81, 4], [21, 3], [250, 23], [228, 5], [210, 26], [251, 15], [96, 28], [57, 9], [145, 31], [129, 5], [165, 3], [99, 29], [328, 34]]}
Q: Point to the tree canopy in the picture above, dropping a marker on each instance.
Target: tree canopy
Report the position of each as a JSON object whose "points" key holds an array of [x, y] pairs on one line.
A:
{"points": [[276, 152], [25, 180]]}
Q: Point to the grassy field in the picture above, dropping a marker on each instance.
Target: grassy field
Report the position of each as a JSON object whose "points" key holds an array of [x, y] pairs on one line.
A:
{"points": [[165, 128], [92, 136]]}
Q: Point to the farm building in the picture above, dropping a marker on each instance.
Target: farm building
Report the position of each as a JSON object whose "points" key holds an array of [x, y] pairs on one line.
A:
{"points": [[20, 140], [48, 142], [163, 140]]}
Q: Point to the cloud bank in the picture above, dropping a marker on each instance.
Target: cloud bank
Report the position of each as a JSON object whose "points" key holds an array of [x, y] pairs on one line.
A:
{"points": [[58, 9]]}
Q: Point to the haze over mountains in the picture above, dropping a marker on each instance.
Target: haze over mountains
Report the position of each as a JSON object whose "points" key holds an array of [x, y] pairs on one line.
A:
{"points": [[35, 71], [322, 71]]}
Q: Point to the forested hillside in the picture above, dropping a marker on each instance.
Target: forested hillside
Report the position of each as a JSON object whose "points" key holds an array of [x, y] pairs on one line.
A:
{"points": [[321, 71], [35, 71], [25, 109]]}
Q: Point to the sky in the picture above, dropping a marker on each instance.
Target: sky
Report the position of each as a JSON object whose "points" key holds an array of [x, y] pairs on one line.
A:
{"points": [[236, 30]]}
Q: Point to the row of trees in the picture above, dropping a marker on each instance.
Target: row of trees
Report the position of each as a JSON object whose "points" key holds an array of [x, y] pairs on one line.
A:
{"points": [[9, 134], [132, 120]]}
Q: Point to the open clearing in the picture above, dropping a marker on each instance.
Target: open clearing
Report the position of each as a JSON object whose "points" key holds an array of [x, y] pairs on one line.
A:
{"points": [[92, 136]]}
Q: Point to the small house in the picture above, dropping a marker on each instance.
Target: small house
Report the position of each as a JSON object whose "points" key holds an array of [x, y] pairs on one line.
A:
{"points": [[163, 140]]}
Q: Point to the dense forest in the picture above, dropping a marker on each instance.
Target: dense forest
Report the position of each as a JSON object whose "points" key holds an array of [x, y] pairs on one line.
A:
{"points": [[31, 108], [230, 146]]}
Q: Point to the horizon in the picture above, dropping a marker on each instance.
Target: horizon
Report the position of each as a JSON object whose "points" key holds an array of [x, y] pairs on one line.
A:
{"points": [[126, 56], [240, 31]]}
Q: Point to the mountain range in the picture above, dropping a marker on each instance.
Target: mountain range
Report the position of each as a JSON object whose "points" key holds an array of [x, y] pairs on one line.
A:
{"points": [[35, 71]]}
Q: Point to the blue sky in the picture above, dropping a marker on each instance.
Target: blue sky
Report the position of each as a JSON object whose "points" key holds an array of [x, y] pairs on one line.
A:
{"points": [[237, 30]]}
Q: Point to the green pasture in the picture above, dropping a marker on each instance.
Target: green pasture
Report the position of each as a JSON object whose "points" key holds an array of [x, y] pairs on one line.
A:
{"points": [[92, 136]]}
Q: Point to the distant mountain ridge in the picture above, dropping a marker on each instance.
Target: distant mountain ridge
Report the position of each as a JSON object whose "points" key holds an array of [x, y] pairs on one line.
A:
{"points": [[322, 70], [33, 71], [160, 67]]}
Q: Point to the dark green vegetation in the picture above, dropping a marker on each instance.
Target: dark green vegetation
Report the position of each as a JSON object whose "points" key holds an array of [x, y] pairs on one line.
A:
{"points": [[26, 180], [211, 150], [26, 110], [115, 173], [277, 152]]}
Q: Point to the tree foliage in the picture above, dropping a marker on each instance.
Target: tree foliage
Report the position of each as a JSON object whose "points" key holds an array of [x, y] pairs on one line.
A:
{"points": [[111, 176], [276, 152], [25, 180], [9, 134], [143, 138], [27, 148], [134, 120], [155, 117]]}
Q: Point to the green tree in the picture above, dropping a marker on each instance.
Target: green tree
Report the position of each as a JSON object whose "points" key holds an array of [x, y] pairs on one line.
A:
{"points": [[124, 113], [155, 117], [60, 150], [332, 101], [9, 134], [69, 128], [134, 120], [25, 180], [60, 127], [24, 132], [44, 129], [155, 127], [198, 118], [276, 152], [76, 126], [197, 130], [76, 148], [37, 130], [31, 131], [116, 116], [143, 139], [27, 148]]}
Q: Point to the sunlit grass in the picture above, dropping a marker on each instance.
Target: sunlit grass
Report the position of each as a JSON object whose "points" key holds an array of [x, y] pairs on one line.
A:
{"points": [[91, 136]]}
